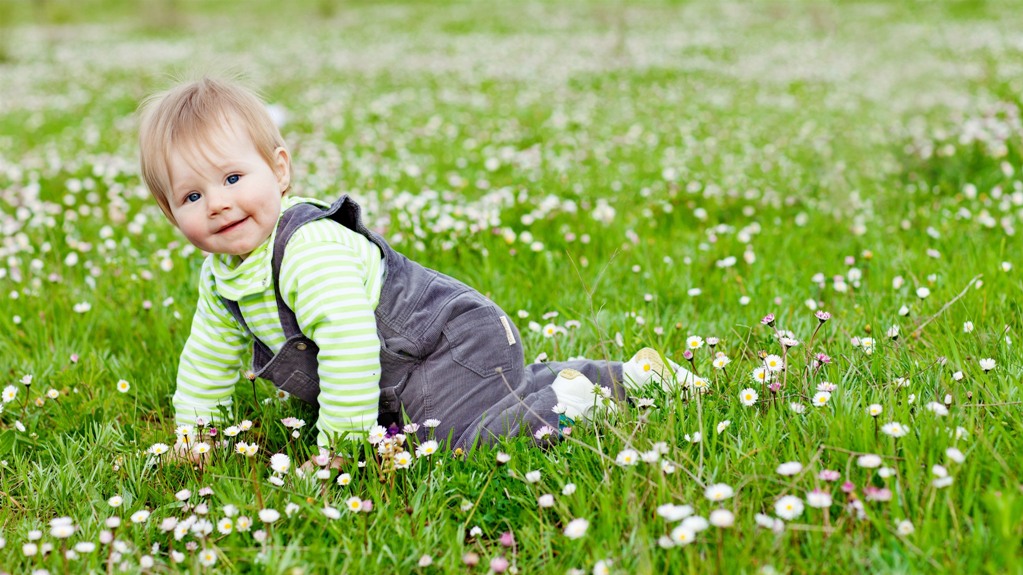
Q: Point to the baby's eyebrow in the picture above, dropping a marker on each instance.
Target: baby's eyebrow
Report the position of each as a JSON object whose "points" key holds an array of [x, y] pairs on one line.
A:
{"points": [[180, 191], [182, 186], [231, 166]]}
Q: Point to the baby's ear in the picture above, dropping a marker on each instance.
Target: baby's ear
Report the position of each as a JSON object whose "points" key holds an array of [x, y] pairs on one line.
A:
{"points": [[282, 168]]}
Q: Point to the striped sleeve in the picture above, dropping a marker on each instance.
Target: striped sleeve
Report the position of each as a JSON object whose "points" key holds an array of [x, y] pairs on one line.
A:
{"points": [[327, 283], [211, 360]]}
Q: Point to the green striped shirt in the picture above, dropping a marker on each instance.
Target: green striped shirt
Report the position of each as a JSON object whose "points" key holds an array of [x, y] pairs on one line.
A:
{"points": [[331, 278]]}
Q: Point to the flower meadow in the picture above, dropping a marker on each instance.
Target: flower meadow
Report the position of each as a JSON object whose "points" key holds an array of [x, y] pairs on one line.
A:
{"points": [[814, 208]]}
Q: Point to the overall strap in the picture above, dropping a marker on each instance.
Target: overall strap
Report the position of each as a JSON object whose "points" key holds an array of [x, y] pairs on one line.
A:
{"points": [[236, 312], [293, 218], [260, 349]]}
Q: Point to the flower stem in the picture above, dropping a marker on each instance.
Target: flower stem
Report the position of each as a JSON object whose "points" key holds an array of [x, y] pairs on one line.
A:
{"points": [[784, 366], [478, 499], [699, 422], [255, 484], [255, 398], [721, 543]]}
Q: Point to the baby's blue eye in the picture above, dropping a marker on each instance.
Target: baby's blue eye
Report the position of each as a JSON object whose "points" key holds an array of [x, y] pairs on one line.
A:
{"points": [[233, 178], [193, 197]]}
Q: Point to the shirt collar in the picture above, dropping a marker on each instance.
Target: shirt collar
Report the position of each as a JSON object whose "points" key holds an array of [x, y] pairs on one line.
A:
{"points": [[236, 278]]}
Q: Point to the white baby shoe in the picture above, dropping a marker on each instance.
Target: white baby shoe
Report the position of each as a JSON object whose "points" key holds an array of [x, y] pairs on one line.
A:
{"points": [[648, 366], [578, 395]]}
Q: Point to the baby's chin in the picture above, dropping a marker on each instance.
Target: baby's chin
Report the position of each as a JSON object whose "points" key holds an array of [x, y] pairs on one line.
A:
{"points": [[244, 254], [240, 254]]}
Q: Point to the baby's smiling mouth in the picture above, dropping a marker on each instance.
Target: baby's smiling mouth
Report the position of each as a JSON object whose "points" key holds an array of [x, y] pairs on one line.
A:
{"points": [[231, 226]]}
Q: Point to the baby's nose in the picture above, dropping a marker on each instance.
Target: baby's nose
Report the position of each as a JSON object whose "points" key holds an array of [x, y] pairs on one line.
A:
{"points": [[217, 202]]}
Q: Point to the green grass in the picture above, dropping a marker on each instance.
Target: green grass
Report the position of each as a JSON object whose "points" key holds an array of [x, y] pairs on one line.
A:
{"points": [[798, 135]]}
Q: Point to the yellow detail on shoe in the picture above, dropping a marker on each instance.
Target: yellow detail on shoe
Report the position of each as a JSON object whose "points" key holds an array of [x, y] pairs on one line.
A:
{"points": [[651, 361], [569, 373]]}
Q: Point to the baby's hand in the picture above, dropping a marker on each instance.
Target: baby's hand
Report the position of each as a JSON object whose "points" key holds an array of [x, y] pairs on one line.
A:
{"points": [[185, 453], [323, 460]]}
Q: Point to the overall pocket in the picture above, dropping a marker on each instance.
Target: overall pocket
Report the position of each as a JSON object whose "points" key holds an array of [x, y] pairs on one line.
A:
{"points": [[302, 386], [395, 369], [483, 340]]}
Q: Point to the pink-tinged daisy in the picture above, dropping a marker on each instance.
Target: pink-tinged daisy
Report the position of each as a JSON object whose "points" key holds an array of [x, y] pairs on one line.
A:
{"points": [[829, 475], [544, 432], [818, 499]]}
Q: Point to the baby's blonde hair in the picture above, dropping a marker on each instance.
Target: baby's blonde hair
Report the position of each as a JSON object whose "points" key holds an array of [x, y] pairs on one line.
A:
{"points": [[193, 114]]}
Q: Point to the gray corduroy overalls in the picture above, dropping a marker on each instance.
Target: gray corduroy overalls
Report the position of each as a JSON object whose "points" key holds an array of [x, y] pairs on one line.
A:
{"points": [[446, 351]]}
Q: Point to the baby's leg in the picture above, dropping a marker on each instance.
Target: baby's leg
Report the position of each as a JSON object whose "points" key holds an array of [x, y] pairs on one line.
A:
{"points": [[475, 381], [604, 373], [517, 411], [648, 365], [533, 399]]}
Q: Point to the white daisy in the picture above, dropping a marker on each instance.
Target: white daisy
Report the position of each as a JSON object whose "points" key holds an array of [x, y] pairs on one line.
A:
{"points": [[789, 507], [576, 528], [719, 492], [894, 429], [748, 396]]}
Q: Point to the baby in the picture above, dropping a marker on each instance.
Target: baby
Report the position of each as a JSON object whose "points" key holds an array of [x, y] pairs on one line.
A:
{"points": [[333, 314]]}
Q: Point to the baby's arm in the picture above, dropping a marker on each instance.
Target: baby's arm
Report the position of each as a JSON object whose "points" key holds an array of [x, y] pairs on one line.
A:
{"points": [[324, 284], [211, 360]]}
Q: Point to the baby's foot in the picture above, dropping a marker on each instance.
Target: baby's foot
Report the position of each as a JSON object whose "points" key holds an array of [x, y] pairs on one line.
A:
{"points": [[648, 366], [644, 367], [578, 394]]}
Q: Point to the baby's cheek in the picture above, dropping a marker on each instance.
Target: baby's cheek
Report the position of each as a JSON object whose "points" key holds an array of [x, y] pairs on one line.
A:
{"points": [[193, 235]]}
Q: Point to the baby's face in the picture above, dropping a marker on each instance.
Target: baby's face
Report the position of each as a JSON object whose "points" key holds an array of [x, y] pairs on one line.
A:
{"points": [[227, 200]]}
